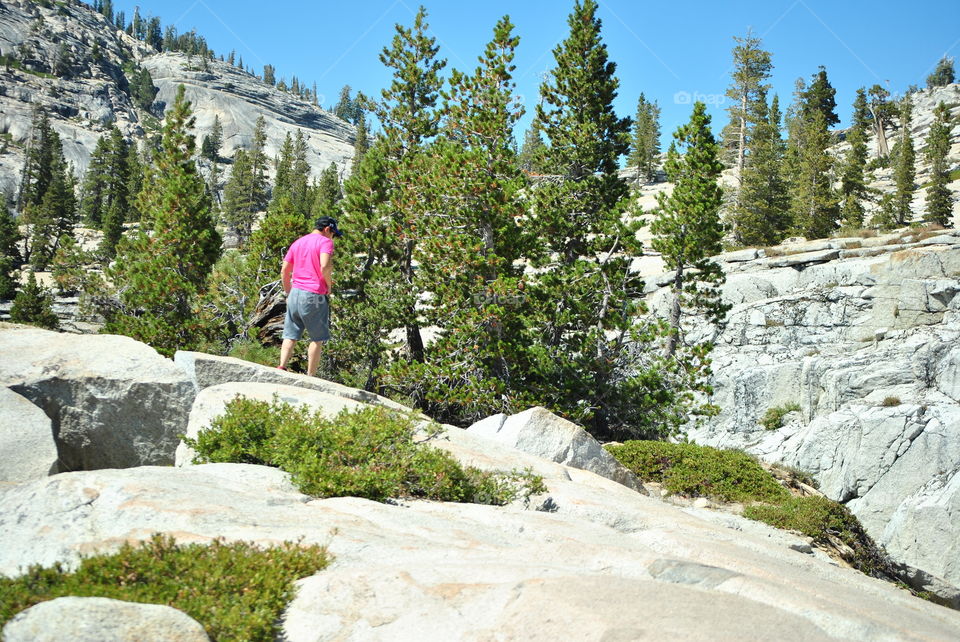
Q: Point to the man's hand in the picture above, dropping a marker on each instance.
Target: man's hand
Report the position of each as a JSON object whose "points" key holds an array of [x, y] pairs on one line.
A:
{"points": [[286, 275]]}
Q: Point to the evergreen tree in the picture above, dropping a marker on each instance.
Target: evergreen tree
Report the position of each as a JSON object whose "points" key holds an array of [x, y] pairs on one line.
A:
{"points": [[407, 111], [687, 229], [531, 154], [9, 252], [763, 216], [583, 297], [645, 144], [245, 194], [853, 186], [361, 142], [293, 174], [327, 193], [939, 199], [33, 305], [347, 108], [159, 272], [820, 96], [470, 245], [751, 68], [134, 182], [904, 167], [814, 203], [882, 110], [943, 75], [117, 201], [210, 148], [95, 184], [269, 75]]}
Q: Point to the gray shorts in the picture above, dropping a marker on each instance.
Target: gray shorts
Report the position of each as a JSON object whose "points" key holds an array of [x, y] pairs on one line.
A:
{"points": [[307, 311]]}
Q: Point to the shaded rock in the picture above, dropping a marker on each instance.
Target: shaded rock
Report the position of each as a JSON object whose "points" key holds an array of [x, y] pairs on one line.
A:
{"points": [[803, 258], [211, 403], [99, 619], [538, 431], [113, 402], [209, 370], [26, 439]]}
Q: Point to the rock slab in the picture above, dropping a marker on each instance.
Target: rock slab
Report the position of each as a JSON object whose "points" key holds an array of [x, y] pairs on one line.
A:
{"points": [[99, 619], [113, 402], [26, 439]]}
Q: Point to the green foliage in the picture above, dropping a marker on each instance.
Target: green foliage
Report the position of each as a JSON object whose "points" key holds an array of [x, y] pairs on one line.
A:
{"points": [[370, 452], [159, 273], [327, 193], [687, 229], [939, 199], [700, 471], [255, 352], [245, 193], [814, 203], [773, 418], [33, 305], [140, 85], [293, 175], [904, 167], [853, 187], [210, 148], [747, 91], [9, 252], [531, 152], [347, 108], [645, 142], [823, 519], [236, 590], [70, 267], [943, 74]]}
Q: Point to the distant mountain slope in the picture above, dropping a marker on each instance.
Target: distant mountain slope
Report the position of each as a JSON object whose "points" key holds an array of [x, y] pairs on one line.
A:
{"points": [[70, 60]]}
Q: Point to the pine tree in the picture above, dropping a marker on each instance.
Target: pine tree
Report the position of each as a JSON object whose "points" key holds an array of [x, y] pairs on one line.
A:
{"points": [[904, 167], [361, 142], [853, 186], [687, 229], [581, 301], [95, 184], [33, 305], [751, 68], [269, 74], [9, 252], [159, 272], [531, 154], [210, 148], [245, 194], [943, 75], [820, 96], [882, 110], [117, 202], [645, 144], [763, 216], [939, 199], [470, 246], [327, 193], [407, 111]]}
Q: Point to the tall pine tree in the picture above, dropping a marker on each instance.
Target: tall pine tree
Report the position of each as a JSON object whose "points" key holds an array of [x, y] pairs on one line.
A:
{"points": [[645, 143], [853, 186], [159, 273], [751, 68], [904, 166], [939, 199]]}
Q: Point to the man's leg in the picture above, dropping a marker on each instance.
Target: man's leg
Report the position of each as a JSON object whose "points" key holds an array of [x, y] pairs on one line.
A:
{"points": [[285, 351], [313, 357]]}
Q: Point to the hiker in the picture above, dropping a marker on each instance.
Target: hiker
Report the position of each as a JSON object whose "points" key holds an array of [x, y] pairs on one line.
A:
{"points": [[307, 279]]}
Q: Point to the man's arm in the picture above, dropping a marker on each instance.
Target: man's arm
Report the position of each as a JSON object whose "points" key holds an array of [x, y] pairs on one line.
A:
{"points": [[326, 269], [286, 273]]}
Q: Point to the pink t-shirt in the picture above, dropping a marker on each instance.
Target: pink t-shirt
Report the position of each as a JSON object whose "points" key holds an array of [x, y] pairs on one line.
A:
{"points": [[304, 254]]}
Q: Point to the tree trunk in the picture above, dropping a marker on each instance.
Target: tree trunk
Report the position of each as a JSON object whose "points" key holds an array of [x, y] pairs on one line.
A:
{"points": [[674, 337]]}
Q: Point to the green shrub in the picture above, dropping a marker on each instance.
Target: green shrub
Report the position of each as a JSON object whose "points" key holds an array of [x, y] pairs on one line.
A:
{"points": [[700, 471], [236, 590], [773, 418], [368, 453], [819, 518], [255, 352]]}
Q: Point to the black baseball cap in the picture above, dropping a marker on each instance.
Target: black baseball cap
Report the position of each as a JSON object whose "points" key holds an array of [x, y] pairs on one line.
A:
{"points": [[328, 221]]}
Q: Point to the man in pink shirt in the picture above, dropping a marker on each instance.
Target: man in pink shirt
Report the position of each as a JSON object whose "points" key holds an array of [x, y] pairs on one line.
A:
{"points": [[307, 278]]}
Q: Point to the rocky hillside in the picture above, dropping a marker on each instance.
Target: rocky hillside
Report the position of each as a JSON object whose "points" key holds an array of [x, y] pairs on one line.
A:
{"points": [[70, 60], [590, 558], [861, 336]]}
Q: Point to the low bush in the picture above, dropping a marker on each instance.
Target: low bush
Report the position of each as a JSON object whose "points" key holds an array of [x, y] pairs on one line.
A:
{"points": [[368, 453], [700, 471], [236, 590], [890, 402], [773, 418], [820, 519]]}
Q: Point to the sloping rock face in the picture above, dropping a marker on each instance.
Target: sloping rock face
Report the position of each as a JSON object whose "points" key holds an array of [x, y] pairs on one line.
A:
{"points": [[863, 335], [539, 432], [112, 402], [95, 619], [448, 571]]}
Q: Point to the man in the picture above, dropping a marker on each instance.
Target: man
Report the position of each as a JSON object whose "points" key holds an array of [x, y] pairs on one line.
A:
{"points": [[307, 277]]}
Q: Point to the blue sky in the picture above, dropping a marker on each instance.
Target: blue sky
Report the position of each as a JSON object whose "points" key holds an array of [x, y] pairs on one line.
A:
{"points": [[674, 52]]}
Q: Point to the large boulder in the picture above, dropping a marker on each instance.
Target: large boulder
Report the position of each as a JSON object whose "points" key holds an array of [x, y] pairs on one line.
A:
{"points": [[207, 370], [539, 432], [26, 439], [100, 619], [211, 403], [113, 402]]}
